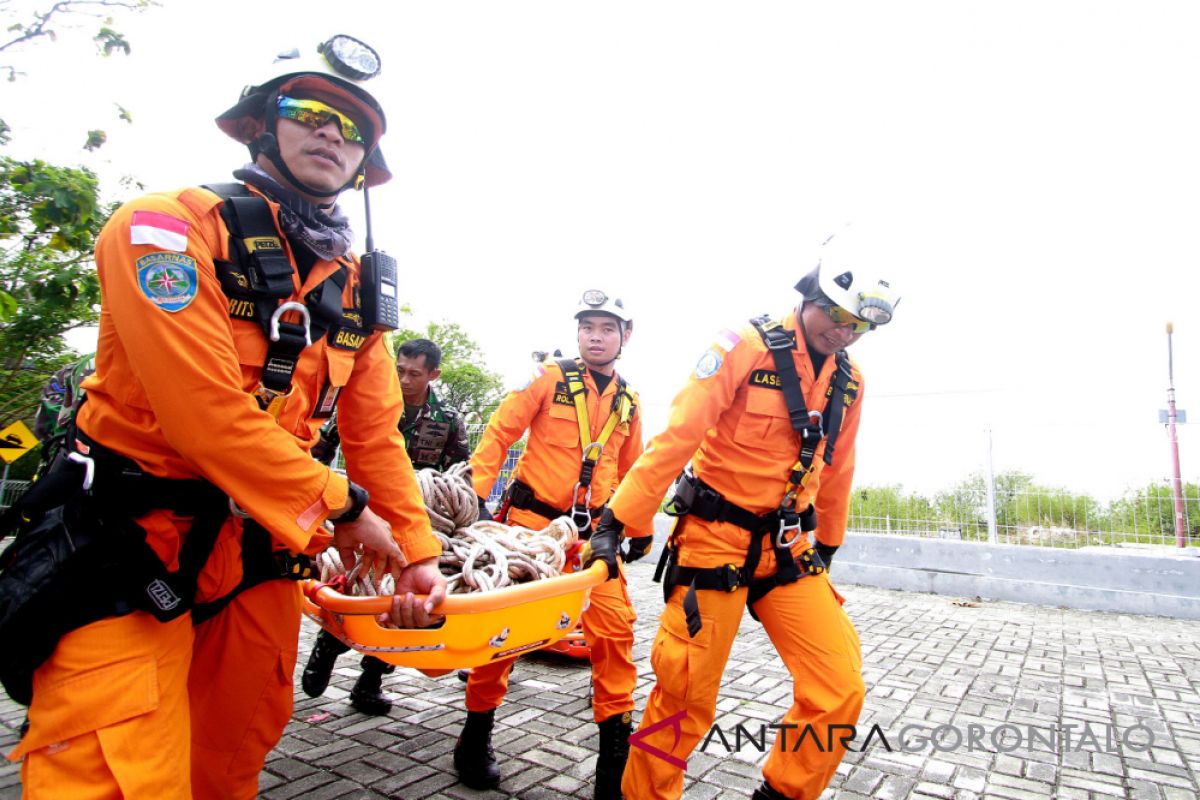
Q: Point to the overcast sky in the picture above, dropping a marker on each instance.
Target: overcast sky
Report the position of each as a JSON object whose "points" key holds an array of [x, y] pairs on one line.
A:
{"points": [[1028, 174]]}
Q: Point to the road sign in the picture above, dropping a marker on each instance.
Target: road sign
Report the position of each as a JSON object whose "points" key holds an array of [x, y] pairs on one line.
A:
{"points": [[15, 441], [1180, 416]]}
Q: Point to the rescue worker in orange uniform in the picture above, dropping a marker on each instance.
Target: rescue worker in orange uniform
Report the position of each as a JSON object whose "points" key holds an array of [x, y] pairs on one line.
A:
{"points": [[187, 389], [768, 421], [585, 432]]}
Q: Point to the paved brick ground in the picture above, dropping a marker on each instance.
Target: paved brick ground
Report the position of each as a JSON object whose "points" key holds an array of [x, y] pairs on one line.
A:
{"points": [[929, 661]]}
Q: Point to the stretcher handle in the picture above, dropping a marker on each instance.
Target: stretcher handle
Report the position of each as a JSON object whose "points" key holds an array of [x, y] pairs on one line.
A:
{"points": [[477, 602]]}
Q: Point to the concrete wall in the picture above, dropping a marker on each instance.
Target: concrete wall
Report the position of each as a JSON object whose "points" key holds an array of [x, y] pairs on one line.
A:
{"points": [[1157, 581]]}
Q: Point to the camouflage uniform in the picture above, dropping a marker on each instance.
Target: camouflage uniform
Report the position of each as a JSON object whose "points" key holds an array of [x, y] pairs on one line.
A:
{"points": [[435, 438]]}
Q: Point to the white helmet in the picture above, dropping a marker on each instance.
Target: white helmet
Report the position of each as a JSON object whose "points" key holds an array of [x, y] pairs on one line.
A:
{"points": [[337, 67], [840, 279], [595, 301]]}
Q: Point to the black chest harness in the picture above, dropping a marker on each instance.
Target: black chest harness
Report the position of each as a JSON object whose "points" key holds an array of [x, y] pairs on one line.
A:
{"points": [[79, 555], [693, 497], [519, 494], [259, 277]]}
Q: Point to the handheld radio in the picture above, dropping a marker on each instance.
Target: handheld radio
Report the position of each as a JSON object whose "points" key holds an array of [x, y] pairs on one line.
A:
{"points": [[380, 284]]}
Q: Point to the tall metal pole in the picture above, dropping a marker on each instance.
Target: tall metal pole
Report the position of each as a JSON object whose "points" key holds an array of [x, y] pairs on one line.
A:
{"points": [[1176, 482], [993, 537]]}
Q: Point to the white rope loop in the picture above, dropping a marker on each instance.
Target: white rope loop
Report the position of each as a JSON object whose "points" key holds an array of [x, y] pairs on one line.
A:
{"points": [[477, 555]]}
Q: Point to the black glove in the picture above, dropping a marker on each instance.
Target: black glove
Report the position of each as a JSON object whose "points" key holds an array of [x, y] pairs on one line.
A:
{"points": [[825, 551], [484, 514], [605, 541], [638, 545]]}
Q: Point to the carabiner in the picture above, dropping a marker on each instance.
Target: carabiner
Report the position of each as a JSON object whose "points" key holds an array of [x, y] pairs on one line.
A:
{"points": [[781, 540], [305, 318], [587, 496], [237, 510]]}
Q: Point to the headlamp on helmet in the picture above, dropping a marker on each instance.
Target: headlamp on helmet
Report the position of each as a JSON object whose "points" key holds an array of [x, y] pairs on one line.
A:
{"points": [[867, 298], [594, 301], [356, 60]]}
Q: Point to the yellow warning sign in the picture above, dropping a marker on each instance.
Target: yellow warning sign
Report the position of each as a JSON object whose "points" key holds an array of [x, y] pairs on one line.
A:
{"points": [[15, 441]]}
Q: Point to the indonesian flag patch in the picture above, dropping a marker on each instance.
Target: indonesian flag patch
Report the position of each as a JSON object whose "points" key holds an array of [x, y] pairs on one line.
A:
{"points": [[160, 230], [727, 340]]}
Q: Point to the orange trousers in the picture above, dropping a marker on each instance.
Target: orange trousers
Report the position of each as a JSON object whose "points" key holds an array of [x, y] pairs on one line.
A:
{"points": [[132, 708], [608, 630], [816, 642]]}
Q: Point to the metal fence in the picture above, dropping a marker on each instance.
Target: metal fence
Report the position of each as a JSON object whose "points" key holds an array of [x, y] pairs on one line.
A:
{"points": [[1035, 517], [10, 491], [474, 434]]}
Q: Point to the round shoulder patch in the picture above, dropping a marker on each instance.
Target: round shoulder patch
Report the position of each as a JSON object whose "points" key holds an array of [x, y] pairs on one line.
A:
{"points": [[168, 279], [709, 363]]}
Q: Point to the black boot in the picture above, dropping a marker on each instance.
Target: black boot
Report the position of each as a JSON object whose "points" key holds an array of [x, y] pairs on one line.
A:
{"points": [[474, 758], [315, 679], [614, 752], [367, 695], [767, 792]]}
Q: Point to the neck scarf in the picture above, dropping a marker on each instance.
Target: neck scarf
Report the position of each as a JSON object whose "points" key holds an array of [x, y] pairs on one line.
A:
{"points": [[326, 234]]}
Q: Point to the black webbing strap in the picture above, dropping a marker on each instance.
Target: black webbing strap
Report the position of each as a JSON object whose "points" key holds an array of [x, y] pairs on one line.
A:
{"points": [[843, 390], [519, 494], [696, 498], [254, 240], [122, 491], [258, 251], [260, 563], [786, 569], [781, 342]]}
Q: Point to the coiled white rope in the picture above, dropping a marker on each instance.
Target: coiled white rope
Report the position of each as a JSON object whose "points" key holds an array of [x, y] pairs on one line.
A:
{"points": [[477, 555]]}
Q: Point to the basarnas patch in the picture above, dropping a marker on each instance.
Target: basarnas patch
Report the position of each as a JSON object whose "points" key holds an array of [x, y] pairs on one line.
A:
{"points": [[709, 363], [168, 279]]}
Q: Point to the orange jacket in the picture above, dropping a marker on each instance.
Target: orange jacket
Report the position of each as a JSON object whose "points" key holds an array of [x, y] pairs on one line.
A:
{"points": [[732, 423], [173, 388], [553, 455]]}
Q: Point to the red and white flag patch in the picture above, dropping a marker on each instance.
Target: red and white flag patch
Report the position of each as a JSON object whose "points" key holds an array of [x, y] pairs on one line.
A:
{"points": [[160, 230], [727, 340]]}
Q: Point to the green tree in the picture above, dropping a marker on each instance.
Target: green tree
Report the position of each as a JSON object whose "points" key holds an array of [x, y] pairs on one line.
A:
{"points": [[890, 509], [1149, 513], [465, 382], [1048, 507], [49, 218]]}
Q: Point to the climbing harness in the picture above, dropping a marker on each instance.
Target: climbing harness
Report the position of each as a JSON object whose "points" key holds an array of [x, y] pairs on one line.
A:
{"points": [[783, 525], [519, 494]]}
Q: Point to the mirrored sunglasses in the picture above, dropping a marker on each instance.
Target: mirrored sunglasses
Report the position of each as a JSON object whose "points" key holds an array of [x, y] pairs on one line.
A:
{"points": [[316, 114], [843, 317]]}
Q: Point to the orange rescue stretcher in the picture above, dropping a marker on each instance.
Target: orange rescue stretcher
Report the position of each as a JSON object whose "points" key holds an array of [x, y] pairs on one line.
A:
{"points": [[479, 628]]}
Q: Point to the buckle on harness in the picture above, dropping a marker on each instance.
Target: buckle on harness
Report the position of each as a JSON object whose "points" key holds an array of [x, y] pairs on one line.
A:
{"points": [[305, 320], [730, 578], [788, 521], [272, 401]]}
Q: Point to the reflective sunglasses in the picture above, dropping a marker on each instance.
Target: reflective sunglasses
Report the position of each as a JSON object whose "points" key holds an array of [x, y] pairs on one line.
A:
{"points": [[841, 316], [316, 114]]}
